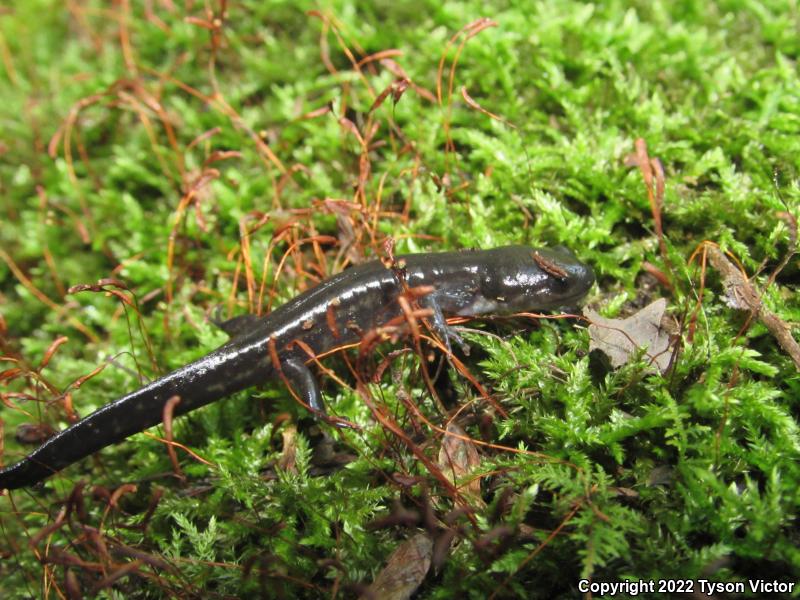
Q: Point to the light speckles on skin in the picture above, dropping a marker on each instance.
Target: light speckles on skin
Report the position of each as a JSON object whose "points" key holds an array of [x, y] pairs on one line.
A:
{"points": [[467, 283], [479, 306]]}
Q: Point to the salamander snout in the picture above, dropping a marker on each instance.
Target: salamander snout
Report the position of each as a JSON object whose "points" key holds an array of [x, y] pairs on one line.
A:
{"points": [[521, 278], [567, 279], [580, 278]]}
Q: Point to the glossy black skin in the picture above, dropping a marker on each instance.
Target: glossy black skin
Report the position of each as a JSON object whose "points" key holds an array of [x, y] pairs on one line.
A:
{"points": [[468, 283]]}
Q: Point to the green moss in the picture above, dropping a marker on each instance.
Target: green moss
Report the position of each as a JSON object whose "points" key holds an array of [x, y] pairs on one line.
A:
{"points": [[686, 475]]}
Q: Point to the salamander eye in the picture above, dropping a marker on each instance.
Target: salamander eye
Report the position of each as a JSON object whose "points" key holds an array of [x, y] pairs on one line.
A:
{"points": [[564, 250]]}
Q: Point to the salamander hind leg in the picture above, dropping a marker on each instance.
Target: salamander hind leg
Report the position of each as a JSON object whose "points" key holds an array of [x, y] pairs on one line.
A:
{"points": [[303, 383], [305, 386]]}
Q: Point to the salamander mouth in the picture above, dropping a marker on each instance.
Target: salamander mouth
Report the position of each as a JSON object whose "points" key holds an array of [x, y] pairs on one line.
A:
{"points": [[581, 280], [570, 302]]}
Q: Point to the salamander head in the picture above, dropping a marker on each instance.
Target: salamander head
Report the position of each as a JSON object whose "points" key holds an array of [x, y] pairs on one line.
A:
{"points": [[519, 278]]}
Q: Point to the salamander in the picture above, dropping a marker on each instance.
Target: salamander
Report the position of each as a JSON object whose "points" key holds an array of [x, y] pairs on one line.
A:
{"points": [[335, 312]]}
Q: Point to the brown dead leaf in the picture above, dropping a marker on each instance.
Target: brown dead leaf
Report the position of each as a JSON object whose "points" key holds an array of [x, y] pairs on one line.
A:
{"points": [[661, 475], [458, 457], [288, 459], [741, 294], [404, 571], [620, 339], [34, 433]]}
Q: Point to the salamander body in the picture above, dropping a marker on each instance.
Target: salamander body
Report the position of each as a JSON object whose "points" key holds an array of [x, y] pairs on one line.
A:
{"points": [[336, 312]]}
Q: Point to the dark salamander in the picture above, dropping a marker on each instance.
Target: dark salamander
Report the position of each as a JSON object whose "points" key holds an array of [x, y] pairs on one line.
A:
{"points": [[338, 311]]}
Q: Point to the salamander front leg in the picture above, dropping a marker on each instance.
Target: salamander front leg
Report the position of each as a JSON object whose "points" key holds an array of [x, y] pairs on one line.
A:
{"points": [[439, 324], [303, 383]]}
